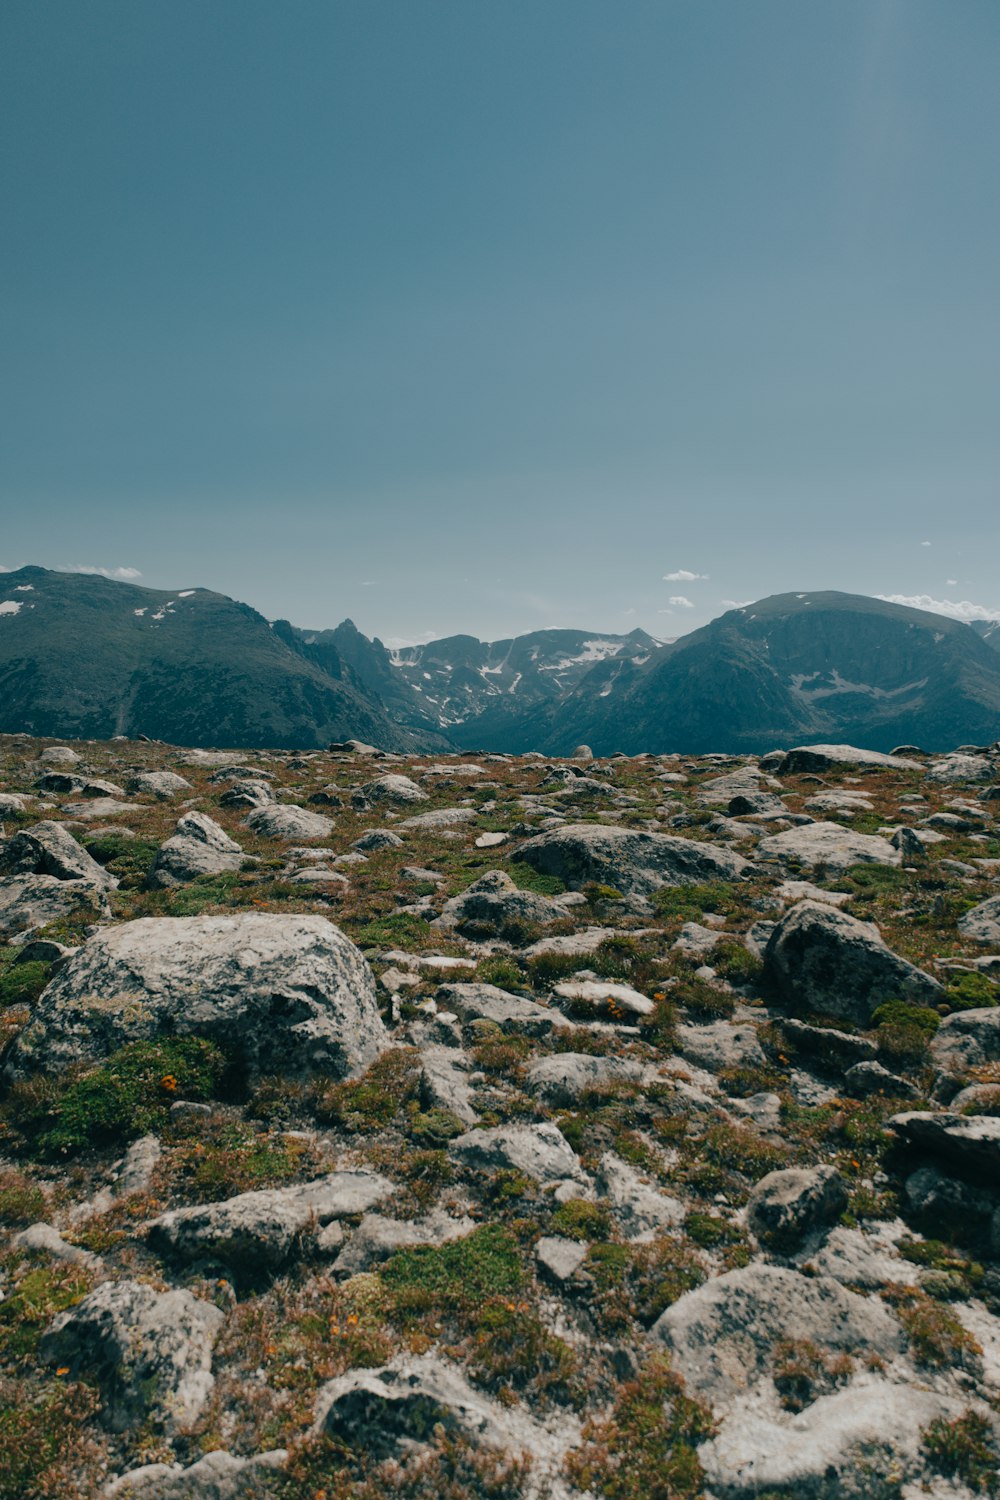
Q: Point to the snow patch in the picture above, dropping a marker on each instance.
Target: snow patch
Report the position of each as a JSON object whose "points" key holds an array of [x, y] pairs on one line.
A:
{"points": [[185, 593], [141, 611], [25, 588], [10, 607]]}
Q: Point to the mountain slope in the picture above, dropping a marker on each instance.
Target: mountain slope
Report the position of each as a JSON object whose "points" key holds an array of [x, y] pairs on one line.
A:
{"points": [[85, 657], [793, 667]]}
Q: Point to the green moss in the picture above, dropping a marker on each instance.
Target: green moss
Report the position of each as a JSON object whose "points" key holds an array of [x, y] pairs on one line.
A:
{"points": [[21, 984], [904, 1013], [646, 1448], [398, 930], [433, 1127], [972, 992], [38, 1293], [21, 1200], [686, 903], [125, 1097], [500, 971], [527, 878], [128, 859], [579, 1219], [455, 1278], [373, 1101], [964, 1449]]}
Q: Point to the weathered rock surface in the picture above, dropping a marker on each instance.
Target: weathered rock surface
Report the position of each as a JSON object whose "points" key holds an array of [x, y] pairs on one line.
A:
{"points": [[288, 822], [965, 1040], [821, 959], [641, 1210], [542, 1151], [828, 845], [49, 849], [824, 757], [629, 860], [785, 1206], [217, 1476], [162, 784], [199, 847], [388, 791], [150, 1352], [723, 1334], [263, 1231], [970, 1142], [493, 901], [376, 1238], [982, 923], [283, 992], [564, 1077], [487, 1002]]}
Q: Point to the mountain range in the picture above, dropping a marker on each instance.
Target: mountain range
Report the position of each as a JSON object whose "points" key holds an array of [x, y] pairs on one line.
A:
{"points": [[82, 656]]}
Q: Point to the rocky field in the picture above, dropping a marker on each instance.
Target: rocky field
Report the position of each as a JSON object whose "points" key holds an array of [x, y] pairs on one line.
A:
{"points": [[380, 1125]]}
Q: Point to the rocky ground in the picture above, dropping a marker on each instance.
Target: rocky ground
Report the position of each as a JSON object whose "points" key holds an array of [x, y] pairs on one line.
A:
{"points": [[493, 1126]]}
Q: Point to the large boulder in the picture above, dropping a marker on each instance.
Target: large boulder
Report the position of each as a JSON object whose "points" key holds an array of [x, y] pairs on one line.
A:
{"points": [[628, 859], [823, 757], [50, 849], [198, 847], [982, 923], [723, 1334], [160, 784], [971, 1143], [818, 958], [285, 994], [493, 901], [150, 1352], [288, 822], [827, 845], [965, 1040], [388, 791], [263, 1231]]}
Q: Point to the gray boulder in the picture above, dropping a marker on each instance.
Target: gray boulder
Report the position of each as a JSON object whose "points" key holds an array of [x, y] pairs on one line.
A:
{"points": [[561, 1080], [965, 1040], [828, 845], [388, 791], [376, 1238], [541, 1151], [217, 1476], [629, 860], [377, 838], [50, 849], [723, 1335], [642, 1212], [284, 993], [493, 901], [248, 794], [823, 757], [59, 755], [441, 817], [160, 784], [819, 958], [198, 847], [288, 822], [722, 1044], [786, 1206], [264, 1231], [150, 1352], [474, 1002], [31, 902], [970, 1142], [982, 923]]}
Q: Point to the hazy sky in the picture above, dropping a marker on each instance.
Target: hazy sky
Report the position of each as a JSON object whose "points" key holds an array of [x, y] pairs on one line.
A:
{"points": [[486, 315]]}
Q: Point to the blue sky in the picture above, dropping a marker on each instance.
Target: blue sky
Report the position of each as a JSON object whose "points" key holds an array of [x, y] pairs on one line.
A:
{"points": [[469, 316]]}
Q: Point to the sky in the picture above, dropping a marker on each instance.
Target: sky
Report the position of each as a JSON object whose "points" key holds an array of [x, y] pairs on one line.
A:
{"points": [[462, 316]]}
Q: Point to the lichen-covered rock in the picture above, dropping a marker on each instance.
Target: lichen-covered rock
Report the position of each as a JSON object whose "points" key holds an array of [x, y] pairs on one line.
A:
{"points": [[829, 845], [629, 860], [494, 901], [982, 923], [723, 1335], [287, 822], [283, 993], [217, 1476], [823, 757], [641, 1210], [49, 849], [821, 959], [150, 1352], [542, 1151], [970, 1142], [565, 1076], [965, 1040], [160, 784], [262, 1231], [388, 791], [376, 1238], [31, 902], [785, 1206], [488, 1002], [198, 847]]}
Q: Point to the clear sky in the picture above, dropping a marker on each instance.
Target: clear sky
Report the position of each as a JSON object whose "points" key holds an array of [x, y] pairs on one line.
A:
{"points": [[486, 315]]}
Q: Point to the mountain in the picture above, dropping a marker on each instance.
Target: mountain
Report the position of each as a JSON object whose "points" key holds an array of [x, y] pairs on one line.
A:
{"points": [[792, 667], [989, 630], [476, 692], [83, 656]]}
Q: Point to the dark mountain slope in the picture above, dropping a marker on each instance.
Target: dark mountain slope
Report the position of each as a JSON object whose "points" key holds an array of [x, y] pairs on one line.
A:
{"points": [[82, 656], [794, 666]]}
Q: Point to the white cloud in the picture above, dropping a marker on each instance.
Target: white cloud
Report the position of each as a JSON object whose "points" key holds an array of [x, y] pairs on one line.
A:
{"points": [[925, 544], [951, 582], [679, 602], [955, 609], [126, 574], [369, 583], [683, 576]]}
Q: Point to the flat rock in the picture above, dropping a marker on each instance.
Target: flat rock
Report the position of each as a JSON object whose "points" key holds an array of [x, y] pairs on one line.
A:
{"points": [[641, 1210], [263, 1231], [388, 791], [217, 1476], [558, 1258], [823, 757], [161, 784], [561, 1080], [441, 817], [828, 845], [821, 959], [721, 1044], [723, 1334], [285, 993], [541, 1151], [970, 1142], [629, 860], [151, 1352], [605, 996], [965, 1040], [474, 1002]]}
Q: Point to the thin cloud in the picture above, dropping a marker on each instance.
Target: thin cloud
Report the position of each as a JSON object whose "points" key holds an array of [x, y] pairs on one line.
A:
{"points": [[127, 575], [682, 575], [955, 609], [735, 603], [679, 602], [925, 544]]}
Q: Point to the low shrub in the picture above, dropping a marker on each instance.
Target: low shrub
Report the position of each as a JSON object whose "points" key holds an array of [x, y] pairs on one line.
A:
{"points": [[964, 1449]]}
